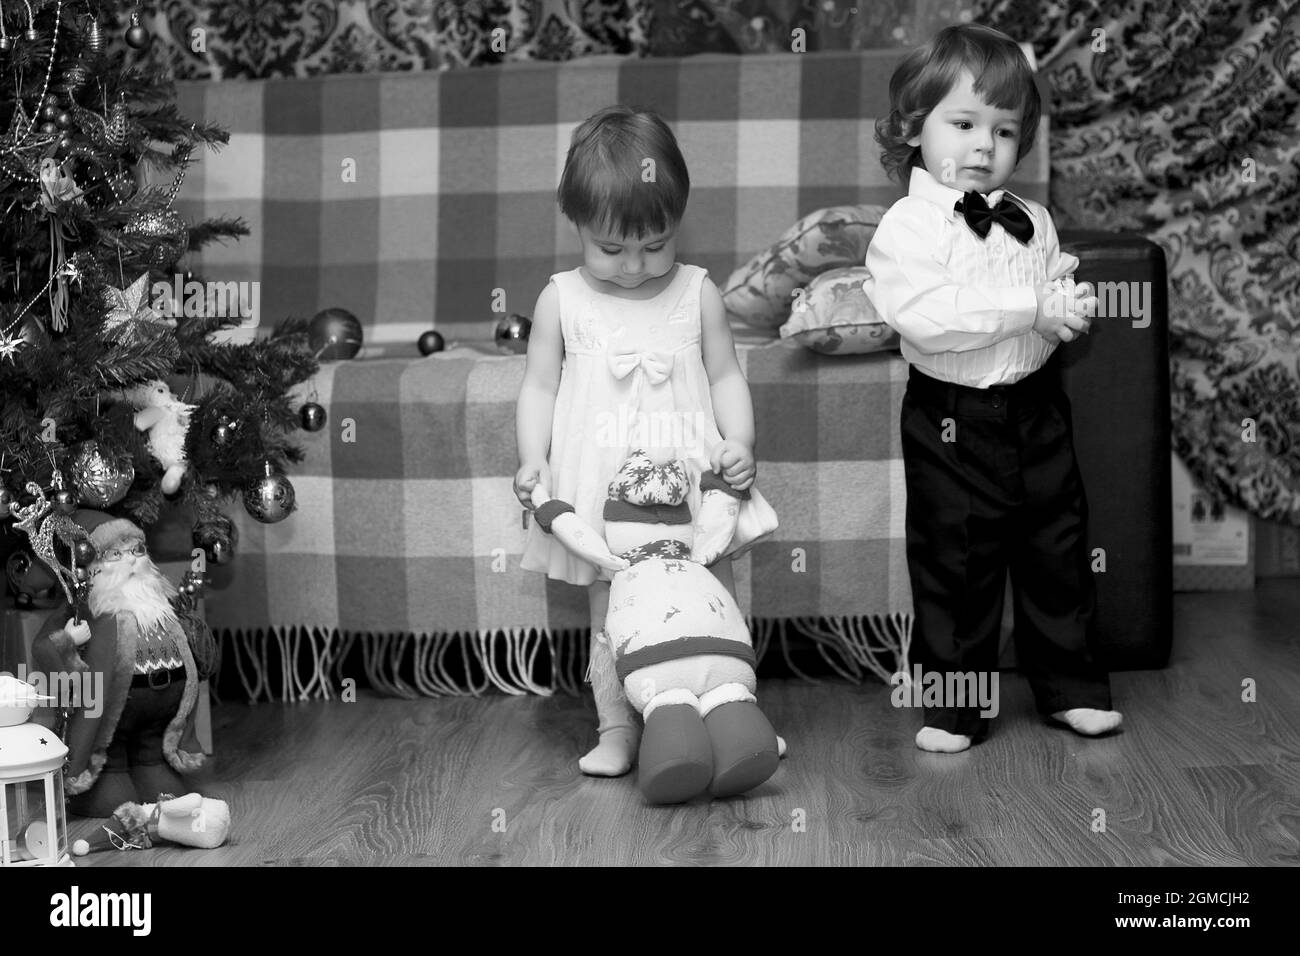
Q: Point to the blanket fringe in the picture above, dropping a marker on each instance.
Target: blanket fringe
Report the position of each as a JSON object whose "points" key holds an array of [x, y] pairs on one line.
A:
{"points": [[468, 663]]}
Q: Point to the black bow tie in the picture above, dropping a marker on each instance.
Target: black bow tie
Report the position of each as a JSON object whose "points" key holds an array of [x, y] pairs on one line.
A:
{"points": [[981, 218]]}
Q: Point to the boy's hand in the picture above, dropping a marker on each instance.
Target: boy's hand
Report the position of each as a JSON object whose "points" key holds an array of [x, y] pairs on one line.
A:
{"points": [[1064, 312], [735, 462], [527, 478]]}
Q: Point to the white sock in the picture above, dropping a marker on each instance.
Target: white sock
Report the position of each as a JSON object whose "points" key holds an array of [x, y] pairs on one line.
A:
{"points": [[940, 741], [614, 755], [619, 728], [1089, 722]]}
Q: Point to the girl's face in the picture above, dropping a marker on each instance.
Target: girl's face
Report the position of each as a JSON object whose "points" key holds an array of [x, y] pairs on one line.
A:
{"points": [[627, 261], [968, 144]]}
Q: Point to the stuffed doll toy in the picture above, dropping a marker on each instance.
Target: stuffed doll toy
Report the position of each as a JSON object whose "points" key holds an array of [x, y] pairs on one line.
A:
{"points": [[129, 743], [192, 820], [681, 647], [167, 420]]}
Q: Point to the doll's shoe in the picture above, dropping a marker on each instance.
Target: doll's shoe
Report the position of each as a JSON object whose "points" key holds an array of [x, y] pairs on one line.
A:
{"points": [[744, 748], [676, 759]]}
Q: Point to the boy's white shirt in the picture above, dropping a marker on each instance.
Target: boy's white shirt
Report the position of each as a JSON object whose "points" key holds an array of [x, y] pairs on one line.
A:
{"points": [[964, 306]]}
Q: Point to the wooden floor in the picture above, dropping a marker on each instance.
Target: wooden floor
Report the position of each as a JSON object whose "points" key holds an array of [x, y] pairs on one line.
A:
{"points": [[1196, 777]]}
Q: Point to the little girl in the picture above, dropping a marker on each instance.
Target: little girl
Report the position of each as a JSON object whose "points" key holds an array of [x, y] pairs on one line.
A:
{"points": [[630, 350]]}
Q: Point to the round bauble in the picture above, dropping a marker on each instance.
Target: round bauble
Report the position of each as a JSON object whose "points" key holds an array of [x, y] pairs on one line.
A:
{"points": [[99, 479], [512, 334], [66, 501], [430, 342], [83, 553], [270, 497], [313, 416], [168, 231], [334, 334]]}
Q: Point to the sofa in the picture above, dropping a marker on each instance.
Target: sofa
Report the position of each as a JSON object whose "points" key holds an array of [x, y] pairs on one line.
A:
{"points": [[426, 201]]}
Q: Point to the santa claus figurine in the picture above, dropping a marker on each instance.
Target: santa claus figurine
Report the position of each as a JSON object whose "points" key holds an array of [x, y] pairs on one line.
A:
{"points": [[130, 745]]}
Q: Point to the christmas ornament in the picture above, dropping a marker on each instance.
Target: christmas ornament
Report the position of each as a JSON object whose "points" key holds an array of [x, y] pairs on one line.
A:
{"points": [[63, 121], [431, 342], [48, 127], [168, 230], [137, 37], [6, 44], [116, 129], [9, 345], [31, 34], [94, 36], [30, 582], [83, 552], [313, 417], [130, 318], [269, 498], [57, 185], [49, 111], [167, 421], [512, 334], [66, 501], [100, 480], [223, 433], [334, 334], [75, 78], [217, 539], [6, 502]]}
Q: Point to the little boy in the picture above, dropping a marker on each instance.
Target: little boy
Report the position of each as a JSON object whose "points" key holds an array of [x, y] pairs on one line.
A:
{"points": [[975, 282]]}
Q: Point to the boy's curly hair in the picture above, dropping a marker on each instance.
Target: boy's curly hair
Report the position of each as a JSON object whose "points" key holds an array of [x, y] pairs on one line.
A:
{"points": [[1001, 75]]}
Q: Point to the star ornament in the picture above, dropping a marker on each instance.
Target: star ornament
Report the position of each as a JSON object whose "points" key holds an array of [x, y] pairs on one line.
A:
{"points": [[130, 318], [9, 345]]}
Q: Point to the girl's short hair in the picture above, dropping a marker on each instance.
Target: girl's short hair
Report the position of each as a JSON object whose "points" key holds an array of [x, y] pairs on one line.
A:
{"points": [[607, 181], [1000, 72]]}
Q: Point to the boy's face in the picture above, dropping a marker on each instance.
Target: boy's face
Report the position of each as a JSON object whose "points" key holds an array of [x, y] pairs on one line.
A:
{"points": [[627, 261], [968, 144]]}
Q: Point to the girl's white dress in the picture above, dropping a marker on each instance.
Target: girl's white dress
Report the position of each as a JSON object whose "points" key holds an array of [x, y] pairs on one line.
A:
{"points": [[633, 377]]}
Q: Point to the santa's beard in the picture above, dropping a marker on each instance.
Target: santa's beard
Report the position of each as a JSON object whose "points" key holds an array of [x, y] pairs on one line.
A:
{"points": [[135, 585]]}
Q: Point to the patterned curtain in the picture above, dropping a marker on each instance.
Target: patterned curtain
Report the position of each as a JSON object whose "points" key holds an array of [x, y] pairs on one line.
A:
{"points": [[1186, 128], [252, 39], [683, 27]]}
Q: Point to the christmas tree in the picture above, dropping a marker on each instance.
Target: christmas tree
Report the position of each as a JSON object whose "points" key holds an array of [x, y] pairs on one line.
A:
{"points": [[118, 388]]}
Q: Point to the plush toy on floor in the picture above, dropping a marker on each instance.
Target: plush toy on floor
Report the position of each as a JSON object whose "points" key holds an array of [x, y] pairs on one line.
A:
{"points": [[192, 820], [681, 646]]}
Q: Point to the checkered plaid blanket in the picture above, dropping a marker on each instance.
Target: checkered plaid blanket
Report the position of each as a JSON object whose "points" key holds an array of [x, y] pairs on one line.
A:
{"points": [[420, 200], [407, 524]]}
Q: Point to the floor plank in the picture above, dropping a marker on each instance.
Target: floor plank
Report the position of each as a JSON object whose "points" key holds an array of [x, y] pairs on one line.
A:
{"points": [[1197, 776]]}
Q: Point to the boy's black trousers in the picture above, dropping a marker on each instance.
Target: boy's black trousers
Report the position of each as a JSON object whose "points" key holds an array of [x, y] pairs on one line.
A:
{"points": [[1003, 494]]}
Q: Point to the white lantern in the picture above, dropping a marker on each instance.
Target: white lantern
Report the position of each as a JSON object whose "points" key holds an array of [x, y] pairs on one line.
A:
{"points": [[33, 827]]}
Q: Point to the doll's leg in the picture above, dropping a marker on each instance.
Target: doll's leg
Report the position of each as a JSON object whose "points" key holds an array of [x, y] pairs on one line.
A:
{"points": [[149, 768], [112, 788], [619, 729], [726, 576]]}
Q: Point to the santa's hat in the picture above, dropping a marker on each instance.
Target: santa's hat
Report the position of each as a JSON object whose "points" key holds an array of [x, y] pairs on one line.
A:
{"points": [[105, 530]]}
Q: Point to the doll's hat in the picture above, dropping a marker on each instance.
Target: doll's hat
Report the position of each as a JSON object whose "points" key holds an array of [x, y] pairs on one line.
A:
{"points": [[104, 529], [650, 493]]}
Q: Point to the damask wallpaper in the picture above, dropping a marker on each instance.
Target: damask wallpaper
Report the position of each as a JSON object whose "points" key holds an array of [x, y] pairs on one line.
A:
{"points": [[228, 39]]}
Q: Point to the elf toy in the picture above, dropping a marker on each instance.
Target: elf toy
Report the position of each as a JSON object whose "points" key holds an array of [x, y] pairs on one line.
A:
{"points": [[681, 647], [130, 745]]}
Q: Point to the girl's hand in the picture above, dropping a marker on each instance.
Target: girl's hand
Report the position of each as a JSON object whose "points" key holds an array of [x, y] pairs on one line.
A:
{"points": [[735, 462], [528, 477]]}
